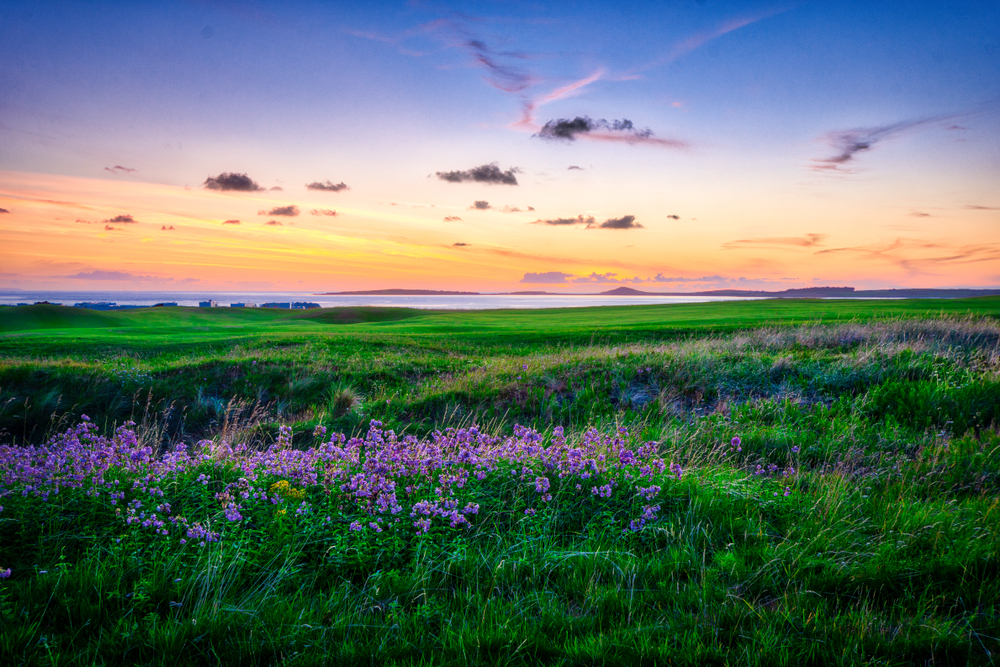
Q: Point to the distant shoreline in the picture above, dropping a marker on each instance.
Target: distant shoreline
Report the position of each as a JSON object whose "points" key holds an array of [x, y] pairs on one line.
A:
{"points": [[803, 293]]}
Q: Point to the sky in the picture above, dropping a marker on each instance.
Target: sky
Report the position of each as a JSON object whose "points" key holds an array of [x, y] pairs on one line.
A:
{"points": [[507, 146]]}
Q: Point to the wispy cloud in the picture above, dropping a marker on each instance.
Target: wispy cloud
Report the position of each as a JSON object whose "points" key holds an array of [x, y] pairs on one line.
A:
{"points": [[232, 182], [273, 223], [452, 218], [848, 143], [3, 210], [589, 222], [118, 169], [487, 173], [920, 255], [807, 241], [108, 275], [460, 245], [328, 186], [546, 278], [290, 210], [230, 222], [323, 211], [977, 207]]}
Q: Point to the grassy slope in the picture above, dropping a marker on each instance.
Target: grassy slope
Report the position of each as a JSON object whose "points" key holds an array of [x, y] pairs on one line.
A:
{"points": [[886, 552]]}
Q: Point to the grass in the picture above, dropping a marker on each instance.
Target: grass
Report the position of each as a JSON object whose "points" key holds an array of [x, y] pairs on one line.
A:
{"points": [[880, 419]]}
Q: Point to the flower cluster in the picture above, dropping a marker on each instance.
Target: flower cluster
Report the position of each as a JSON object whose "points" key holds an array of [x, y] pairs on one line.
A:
{"points": [[372, 483]]}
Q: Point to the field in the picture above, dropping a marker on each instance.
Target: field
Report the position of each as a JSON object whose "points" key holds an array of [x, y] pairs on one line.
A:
{"points": [[770, 483]]}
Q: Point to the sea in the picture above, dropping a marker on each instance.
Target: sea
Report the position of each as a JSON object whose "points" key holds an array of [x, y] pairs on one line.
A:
{"points": [[429, 302]]}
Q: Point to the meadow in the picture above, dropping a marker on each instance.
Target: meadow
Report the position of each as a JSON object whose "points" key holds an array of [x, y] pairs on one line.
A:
{"points": [[760, 483]]}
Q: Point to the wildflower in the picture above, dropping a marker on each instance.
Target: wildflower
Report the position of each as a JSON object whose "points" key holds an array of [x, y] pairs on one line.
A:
{"points": [[676, 469], [795, 449], [5, 573], [529, 512]]}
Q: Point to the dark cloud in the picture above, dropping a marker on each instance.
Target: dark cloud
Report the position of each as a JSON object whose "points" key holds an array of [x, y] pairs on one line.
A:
{"points": [[281, 210], [807, 241], [674, 217], [123, 219], [487, 173], [3, 210], [624, 222], [323, 211], [505, 77], [118, 169], [273, 223], [546, 278], [567, 130], [109, 228], [452, 218], [460, 245], [232, 181], [480, 205], [166, 228], [328, 186], [573, 166], [558, 222], [230, 222]]}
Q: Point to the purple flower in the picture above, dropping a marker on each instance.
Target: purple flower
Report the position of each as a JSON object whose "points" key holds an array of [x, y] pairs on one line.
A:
{"points": [[676, 469], [5, 573]]}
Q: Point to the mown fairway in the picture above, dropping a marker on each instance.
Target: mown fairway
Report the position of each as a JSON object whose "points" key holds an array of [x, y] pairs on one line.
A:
{"points": [[772, 482]]}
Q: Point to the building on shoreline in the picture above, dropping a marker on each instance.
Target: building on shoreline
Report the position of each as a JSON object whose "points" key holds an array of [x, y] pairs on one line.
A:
{"points": [[243, 304], [208, 304]]}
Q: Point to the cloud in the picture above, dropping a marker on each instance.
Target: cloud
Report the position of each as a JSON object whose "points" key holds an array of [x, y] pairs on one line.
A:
{"points": [[546, 278], [107, 275], [573, 166], [480, 205], [920, 214], [165, 228], [452, 218], [230, 222], [118, 169], [276, 188], [673, 217], [461, 245], [123, 219], [559, 222], [588, 222], [624, 222], [273, 223], [323, 211], [848, 143], [328, 186], [232, 181], [599, 278], [514, 209], [109, 228], [976, 207], [568, 129], [807, 241], [920, 255], [281, 210], [3, 210], [487, 173], [505, 77], [660, 278]]}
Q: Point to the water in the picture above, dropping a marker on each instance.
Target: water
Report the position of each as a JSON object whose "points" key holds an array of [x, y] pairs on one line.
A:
{"points": [[441, 302]]}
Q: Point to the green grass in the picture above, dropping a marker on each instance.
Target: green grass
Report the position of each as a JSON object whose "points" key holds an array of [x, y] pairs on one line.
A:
{"points": [[887, 551]]}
